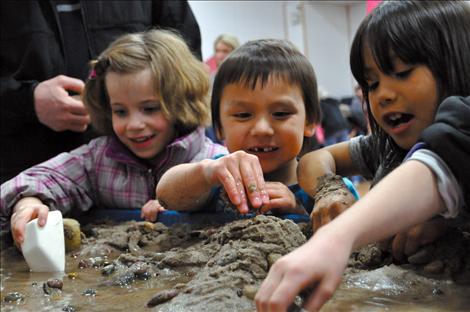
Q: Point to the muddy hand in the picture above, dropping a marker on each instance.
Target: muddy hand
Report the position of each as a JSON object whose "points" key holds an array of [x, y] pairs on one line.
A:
{"points": [[408, 243], [330, 206]]}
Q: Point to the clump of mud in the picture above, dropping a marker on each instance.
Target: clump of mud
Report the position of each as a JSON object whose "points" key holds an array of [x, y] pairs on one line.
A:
{"points": [[225, 264]]}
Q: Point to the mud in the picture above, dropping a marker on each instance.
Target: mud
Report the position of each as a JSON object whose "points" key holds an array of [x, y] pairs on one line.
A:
{"points": [[141, 265]]}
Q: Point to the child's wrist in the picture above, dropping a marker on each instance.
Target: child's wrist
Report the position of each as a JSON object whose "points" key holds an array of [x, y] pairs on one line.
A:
{"points": [[25, 202], [332, 183]]}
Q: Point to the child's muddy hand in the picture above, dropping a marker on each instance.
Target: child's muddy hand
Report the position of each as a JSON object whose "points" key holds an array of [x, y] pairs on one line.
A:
{"points": [[242, 178], [150, 210], [329, 207], [281, 199], [24, 211], [410, 242]]}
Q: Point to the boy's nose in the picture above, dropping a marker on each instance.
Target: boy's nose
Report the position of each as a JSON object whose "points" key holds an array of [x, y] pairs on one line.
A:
{"points": [[262, 126]]}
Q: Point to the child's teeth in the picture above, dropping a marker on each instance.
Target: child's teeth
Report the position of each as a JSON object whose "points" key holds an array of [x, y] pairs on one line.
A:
{"points": [[395, 117]]}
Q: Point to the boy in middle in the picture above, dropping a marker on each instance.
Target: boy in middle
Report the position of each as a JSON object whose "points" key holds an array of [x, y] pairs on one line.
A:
{"points": [[264, 105]]}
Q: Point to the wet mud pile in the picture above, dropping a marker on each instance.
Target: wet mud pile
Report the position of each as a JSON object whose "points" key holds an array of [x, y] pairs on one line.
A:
{"points": [[220, 267], [224, 265]]}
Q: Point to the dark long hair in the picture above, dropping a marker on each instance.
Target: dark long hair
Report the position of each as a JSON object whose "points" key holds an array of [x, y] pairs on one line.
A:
{"points": [[431, 33]]}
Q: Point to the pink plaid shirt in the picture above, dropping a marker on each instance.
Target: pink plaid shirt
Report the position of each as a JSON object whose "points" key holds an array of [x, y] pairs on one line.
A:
{"points": [[102, 173]]}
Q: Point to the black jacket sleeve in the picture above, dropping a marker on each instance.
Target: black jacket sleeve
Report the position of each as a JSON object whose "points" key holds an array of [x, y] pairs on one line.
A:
{"points": [[449, 137]]}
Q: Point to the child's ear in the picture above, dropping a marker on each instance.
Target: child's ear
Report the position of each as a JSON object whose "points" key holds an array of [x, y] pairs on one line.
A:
{"points": [[309, 129]]}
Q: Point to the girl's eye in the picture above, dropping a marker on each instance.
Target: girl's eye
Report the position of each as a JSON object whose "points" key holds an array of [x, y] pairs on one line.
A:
{"points": [[372, 85], [403, 74], [242, 115], [151, 109], [119, 112], [282, 114]]}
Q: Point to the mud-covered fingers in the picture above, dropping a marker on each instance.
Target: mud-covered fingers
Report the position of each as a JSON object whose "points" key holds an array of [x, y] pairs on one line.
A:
{"points": [[398, 246], [251, 181], [336, 209], [232, 183], [325, 215], [413, 239], [315, 216], [261, 183]]}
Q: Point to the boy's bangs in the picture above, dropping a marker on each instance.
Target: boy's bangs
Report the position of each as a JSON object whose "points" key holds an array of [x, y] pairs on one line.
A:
{"points": [[251, 72]]}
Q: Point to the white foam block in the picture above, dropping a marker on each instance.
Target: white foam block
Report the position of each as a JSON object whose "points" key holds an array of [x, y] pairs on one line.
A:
{"points": [[43, 247]]}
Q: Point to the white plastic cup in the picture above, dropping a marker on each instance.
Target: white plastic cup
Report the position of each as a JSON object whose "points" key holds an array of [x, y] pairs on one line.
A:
{"points": [[43, 247]]}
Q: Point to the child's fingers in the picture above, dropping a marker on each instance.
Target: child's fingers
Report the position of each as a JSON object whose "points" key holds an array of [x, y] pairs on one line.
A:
{"points": [[322, 292], [398, 246], [42, 212], [268, 287], [231, 181], [316, 219], [251, 183]]}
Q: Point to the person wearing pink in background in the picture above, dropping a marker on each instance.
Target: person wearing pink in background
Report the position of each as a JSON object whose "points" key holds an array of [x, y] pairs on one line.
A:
{"points": [[223, 45]]}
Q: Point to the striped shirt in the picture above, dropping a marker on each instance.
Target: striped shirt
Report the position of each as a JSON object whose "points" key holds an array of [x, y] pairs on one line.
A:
{"points": [[102, 173]]}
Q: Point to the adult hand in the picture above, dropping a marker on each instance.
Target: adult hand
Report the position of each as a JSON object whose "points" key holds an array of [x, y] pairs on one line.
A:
{"points": [[330, 206], [317, 265], [27, 209], [150, 210], [58, 110], [241, 176]]}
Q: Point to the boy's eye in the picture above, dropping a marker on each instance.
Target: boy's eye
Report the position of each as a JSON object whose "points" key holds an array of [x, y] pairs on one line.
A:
{"points": [[242, 115], [283, 114]]}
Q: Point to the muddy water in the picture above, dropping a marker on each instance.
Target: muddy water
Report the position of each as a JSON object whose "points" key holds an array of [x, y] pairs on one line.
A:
{"points": [[15, 277], [211, 267]]}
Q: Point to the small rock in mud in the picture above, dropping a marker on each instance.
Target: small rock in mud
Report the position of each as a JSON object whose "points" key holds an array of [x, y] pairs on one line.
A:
{"points": [[55, 283], [69, 308], [162, 296], [15, 297], [89, 292], [250, 291]]}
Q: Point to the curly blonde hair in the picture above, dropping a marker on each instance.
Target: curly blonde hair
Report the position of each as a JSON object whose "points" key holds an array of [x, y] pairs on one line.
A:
{"points": [[181, 81]]}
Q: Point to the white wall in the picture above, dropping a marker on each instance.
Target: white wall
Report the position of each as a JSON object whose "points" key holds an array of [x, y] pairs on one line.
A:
{"points": [[322, 30]]}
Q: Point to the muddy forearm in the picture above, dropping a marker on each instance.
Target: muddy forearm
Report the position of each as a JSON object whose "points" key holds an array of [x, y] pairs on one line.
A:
{"points": [[183, 187], [312, 166]]}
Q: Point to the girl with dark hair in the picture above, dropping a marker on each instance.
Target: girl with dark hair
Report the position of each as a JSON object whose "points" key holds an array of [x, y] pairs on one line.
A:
{"points": [[412, 60]]}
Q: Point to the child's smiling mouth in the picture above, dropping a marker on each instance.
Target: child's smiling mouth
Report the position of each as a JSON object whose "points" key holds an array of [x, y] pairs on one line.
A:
{"points": [[142, 141], [395, 120], [265, 149]]}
